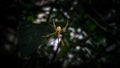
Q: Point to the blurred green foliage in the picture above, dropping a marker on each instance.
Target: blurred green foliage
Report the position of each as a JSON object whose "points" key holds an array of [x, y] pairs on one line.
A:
{"points": [[90, 49], [88, 39]]}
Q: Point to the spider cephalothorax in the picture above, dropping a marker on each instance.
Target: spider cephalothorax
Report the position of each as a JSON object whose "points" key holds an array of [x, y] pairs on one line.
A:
{"points": [[58, 30]]}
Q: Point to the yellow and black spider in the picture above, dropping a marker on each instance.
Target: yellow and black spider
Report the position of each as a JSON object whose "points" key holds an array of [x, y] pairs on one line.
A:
{"points": [[58, 30]]}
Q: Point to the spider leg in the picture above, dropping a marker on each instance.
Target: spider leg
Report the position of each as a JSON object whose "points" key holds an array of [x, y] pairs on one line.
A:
{"points": [[64, 28], [54, 26], [49, 35], [62, 42]]}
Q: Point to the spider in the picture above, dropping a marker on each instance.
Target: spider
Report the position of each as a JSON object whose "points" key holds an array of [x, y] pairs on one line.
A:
{"points": [[58, 30]]}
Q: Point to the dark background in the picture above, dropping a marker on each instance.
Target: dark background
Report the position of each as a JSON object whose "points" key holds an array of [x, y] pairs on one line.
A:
{"points": [[22, 44]]}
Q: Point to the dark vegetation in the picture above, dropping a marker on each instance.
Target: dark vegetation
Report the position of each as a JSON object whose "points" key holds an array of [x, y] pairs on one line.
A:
{"points": [[94, 23]]}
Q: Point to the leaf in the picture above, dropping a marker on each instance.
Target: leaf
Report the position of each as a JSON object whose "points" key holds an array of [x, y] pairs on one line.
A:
{"points": [[63, 52], [30, 37], [90, 25]]}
